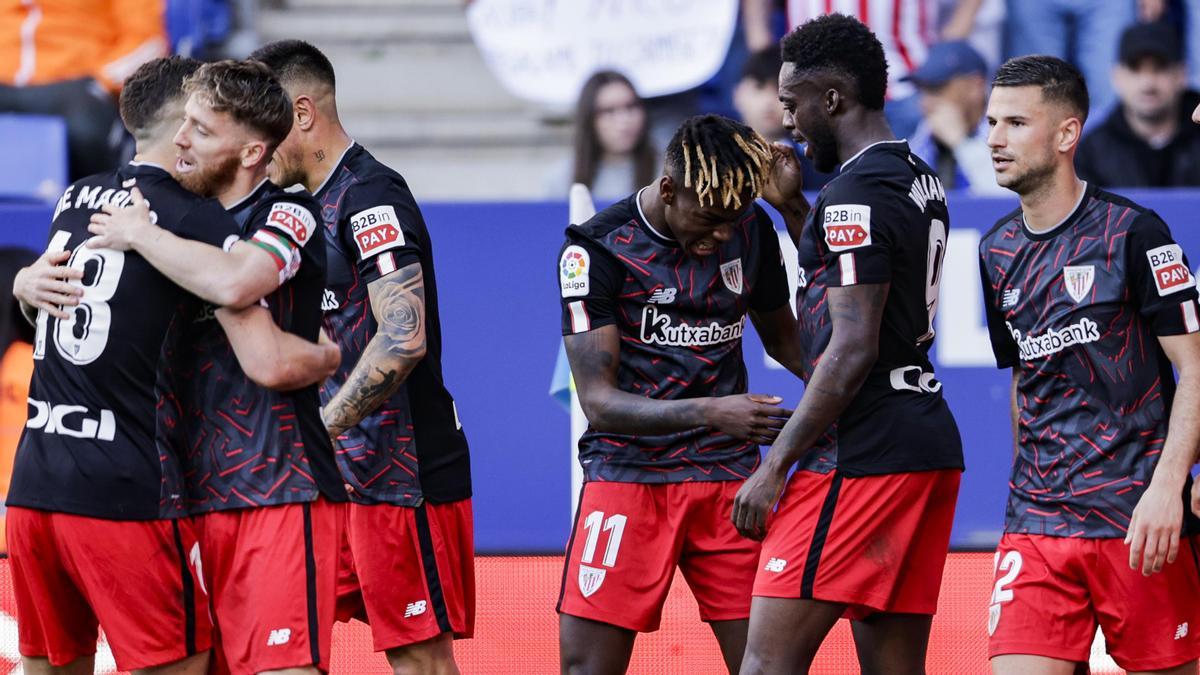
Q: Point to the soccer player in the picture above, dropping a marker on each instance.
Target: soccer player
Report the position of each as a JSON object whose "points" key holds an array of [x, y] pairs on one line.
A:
{"points": [[261, 477], [655, 291], [399, 444], [94, 508], [1091, 302], [867, 537]]}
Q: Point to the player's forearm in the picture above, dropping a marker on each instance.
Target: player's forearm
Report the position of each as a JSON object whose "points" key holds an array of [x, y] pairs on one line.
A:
{"points": [[620, 412], [379, 373], [1183, 435], [795, 213], [304, 363], [1015, 413], [206, 271], [836, 381]]}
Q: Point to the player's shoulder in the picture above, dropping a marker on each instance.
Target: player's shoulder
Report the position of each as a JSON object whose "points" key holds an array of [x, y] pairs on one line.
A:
{"points": [[374, 182], [292, 209], [1006, 222], [1135, 216], [605, 222]]}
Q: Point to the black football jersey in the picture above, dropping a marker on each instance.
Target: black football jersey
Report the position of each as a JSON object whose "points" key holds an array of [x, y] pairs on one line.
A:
{"points": [[92, 445], [1078, 311], [245, 445], [882, 219], [412, 447], [681, 319]]}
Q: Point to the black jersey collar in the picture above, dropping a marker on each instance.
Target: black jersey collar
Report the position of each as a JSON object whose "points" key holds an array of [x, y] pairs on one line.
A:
{"points": [[645, 222], [901, 144], [250, 196], [337, 166], [1065, 223]]}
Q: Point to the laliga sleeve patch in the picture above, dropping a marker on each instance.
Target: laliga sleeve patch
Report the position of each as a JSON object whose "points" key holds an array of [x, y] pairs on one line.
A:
{"points": [[573, 270], [847, 226], [1170, 274], [376, 230], [293, 220]]}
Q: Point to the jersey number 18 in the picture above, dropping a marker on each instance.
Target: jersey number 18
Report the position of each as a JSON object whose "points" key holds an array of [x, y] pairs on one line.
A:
{"points": [[82, 338]]}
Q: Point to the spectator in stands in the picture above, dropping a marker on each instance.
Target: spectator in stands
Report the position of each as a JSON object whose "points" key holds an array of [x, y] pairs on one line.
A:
{"points": [[1147, 140], [1080, 32], [756, 99], [952, 134], [68, 58], [613, 153], [16, 368]]}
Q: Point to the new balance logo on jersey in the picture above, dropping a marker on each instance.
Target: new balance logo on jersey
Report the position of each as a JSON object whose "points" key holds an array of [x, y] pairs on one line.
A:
{"points": [[414, 609], [926, 188], [1181, 631], [279, 636], [775, 565], [1053, 341], [657, 329], [70, 420], [1010, 299], [329, 301], [662, 296]]}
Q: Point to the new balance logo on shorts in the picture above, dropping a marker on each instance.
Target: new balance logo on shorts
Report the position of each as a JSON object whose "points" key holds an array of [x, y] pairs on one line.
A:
{"points": [[1181, 631], [775, 565], [279, 636], [414, 609]]}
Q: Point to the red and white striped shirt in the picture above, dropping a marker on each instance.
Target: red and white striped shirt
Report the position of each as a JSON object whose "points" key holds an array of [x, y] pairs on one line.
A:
{"points": [[905, 28]]}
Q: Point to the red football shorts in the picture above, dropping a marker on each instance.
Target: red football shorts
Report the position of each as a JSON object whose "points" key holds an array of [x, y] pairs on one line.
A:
{"points": [[409, 571], [874, 543], [629, 537], [271, 572], [1051, 592], [74, 573]]}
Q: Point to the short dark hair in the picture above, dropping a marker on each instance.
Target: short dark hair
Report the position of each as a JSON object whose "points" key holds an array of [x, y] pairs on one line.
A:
{"points": [[841, 44], [720, 159], [762, 67], [1059, 81], [248, 91], [150, 88], [296, 60]]}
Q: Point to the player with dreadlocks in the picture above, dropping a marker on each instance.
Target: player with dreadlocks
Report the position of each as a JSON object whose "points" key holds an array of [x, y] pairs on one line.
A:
{"points": [[655, 291], [866, 538]]}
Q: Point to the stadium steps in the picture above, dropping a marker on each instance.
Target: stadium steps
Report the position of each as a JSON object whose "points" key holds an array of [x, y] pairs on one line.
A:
{"points": [[413, 88]]}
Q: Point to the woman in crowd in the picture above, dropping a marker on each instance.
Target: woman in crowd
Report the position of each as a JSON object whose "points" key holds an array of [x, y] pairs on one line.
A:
{"points": [[613, 153]]}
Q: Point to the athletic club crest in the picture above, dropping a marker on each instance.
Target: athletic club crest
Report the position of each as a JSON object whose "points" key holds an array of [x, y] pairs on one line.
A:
{"points": [[590, 579], [731, 274], [1078, 280]]}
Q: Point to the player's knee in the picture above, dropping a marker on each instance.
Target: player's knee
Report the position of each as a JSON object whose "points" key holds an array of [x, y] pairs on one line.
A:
{"points": [[432, 657]]}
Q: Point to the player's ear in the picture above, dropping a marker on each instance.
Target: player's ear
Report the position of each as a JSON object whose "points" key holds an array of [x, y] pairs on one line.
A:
{"points": [[304, 111], [832, 101], [1069, 132], [253, 153], [666, 189]]}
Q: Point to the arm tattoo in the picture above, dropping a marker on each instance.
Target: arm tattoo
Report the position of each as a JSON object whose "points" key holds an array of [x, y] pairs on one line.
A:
{"points": [[398, 302], [594, 356]]}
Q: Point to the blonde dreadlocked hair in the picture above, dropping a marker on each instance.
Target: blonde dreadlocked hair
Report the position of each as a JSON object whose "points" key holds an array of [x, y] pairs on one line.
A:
{"points": [[720, 159]]}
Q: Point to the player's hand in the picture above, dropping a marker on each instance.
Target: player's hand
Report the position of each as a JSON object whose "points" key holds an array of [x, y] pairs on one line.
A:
{"points": [[1153, 536], [754, 501], [120, 228], [748, 417], [785, 179], [46, 284], [947, 124]]}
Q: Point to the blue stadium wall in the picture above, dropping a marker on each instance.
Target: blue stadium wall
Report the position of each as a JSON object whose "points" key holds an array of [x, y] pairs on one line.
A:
{"points": [[496, 266]]}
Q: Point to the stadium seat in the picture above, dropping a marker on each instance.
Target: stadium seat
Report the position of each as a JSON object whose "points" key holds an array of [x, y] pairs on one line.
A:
{"points": [[37, 146], [195, 25]]}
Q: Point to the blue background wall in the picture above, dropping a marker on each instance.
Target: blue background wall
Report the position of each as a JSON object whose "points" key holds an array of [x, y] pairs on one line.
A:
{"points": [[500, 316]]}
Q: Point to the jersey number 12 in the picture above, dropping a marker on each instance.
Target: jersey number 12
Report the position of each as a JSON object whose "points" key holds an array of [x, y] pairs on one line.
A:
{"points": [[82, 338]]}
